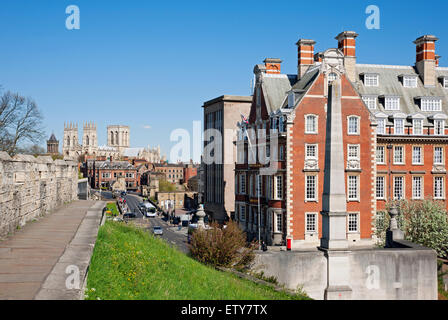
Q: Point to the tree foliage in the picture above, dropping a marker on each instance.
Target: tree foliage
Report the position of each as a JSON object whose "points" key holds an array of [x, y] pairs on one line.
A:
{"points": [[165, 186], [20, 122], [222, 247], [424, 222]]}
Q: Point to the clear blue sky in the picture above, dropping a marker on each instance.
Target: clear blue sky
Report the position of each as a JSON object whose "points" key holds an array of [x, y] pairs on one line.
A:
{"points": [[153, 63]]}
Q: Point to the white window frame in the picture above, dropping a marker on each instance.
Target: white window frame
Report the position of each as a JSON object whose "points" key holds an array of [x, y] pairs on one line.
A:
{"points": [[277, 228], [307, 199], [430, 104], [395, 179], [357, 147], [420, 162], [371, 80], [392, 103], [350, 188], [383, 148], [382, 195], [417, 192], [439, 194], [370, 102], [316, 121], [439, 127], [396, 127], [402, 155], [307, 222], [383, 121], [278, 191], [442, 157], [315, 151], [410, 81], [242, 208], [357, 125], [349, 220], [242, 181], [414, 127]]}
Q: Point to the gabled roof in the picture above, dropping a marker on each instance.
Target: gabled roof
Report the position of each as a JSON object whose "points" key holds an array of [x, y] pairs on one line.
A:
{"points": [[275, 88]]}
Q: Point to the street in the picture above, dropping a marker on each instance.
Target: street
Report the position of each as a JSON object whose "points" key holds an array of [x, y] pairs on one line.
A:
{"points": [[170, 232]]}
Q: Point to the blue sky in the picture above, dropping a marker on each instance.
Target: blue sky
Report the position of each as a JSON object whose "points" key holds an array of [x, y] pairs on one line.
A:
{"points": [[153, 63]]}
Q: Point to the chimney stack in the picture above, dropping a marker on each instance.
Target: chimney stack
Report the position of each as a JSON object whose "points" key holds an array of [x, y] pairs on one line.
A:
{"points": [[426, 59], [305, 56], [347, 44], [273, 65]]}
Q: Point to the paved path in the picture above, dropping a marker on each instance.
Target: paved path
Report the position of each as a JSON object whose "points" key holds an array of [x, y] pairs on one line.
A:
{"points": [[29, 259]]}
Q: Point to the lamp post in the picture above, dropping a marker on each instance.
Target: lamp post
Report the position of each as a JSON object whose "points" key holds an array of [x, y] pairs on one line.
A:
{"points": [[389, 148]]}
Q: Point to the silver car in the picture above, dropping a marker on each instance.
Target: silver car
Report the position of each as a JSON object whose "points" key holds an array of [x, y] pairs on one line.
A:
{"points": [[157, 230]]}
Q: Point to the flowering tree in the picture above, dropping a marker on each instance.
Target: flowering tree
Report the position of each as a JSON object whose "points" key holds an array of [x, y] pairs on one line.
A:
{"points": [[424, 222]]}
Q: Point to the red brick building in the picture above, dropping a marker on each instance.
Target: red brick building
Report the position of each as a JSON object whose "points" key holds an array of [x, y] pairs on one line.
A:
{"points": [[105, 173], [394, 140]]}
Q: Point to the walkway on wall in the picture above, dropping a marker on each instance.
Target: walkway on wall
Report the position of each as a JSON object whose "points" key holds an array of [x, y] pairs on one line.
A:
{"points": [[35, 259]]}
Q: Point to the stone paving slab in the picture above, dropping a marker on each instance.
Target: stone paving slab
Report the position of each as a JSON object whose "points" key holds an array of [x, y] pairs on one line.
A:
{"points": [[34, 257]]}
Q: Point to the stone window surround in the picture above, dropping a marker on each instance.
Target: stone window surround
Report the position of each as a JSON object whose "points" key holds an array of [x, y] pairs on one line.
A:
{"points": [[316, 185], [357, 124], [316, 119], [404, 155], [422, 155], [358, 187], [422, 187], [316, 215], [443, 155], [358, 222], [443, 187], [384, 187]]}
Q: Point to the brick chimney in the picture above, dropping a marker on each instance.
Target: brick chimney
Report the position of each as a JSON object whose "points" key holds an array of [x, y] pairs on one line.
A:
{"points": [[347, 44], [426, 59], [272, 65], [305, 56]]}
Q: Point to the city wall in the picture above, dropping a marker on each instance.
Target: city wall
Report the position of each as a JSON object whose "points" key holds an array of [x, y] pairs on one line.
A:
{"points": [[407, 272], [32, 187]]}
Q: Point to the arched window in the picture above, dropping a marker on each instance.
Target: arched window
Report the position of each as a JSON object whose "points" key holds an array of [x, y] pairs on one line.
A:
{"points": [[116, 138], [68, 141], [87, 140], [111, 138], [74, 141], [311, 123]]}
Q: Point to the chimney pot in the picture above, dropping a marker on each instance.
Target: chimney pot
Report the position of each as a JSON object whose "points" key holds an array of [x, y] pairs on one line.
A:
{"points": [[273, 65]]}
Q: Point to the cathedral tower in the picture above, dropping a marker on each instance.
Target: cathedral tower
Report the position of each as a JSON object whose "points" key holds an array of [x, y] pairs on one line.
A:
{"points": [[70, 145], [89, 139]]}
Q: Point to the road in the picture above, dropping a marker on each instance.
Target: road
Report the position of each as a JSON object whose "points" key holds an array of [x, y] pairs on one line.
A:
{"points": [[171, 234]]}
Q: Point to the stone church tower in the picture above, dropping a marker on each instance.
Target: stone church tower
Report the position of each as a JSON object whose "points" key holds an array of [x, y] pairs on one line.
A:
{"points": [[52, 145], [70, 145], [89, 139], [118, 137]]}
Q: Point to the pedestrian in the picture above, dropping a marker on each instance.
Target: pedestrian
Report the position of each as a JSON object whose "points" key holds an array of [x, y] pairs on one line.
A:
{"points": [[264, 247]]}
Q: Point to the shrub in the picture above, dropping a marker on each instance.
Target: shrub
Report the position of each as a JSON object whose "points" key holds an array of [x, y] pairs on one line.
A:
{"points": [[423, 222], [222, 247]]}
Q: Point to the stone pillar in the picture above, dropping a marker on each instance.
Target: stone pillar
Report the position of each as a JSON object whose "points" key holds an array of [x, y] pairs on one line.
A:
{"points": [[393, 233], [334, 223], [201, 214]]}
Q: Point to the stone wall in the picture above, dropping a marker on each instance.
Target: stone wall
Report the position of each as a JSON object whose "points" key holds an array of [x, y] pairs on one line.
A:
{"points": [[32, 187], [407, 273]]}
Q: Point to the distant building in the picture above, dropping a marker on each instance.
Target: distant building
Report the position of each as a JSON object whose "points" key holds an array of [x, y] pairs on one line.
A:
{"points": [[174, 173], [53, 145], [106, 173], [222, 113]]}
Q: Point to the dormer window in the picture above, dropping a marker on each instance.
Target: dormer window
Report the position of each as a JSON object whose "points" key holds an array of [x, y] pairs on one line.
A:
{"points": [[370, 102], [381, 126], [444, 81], [439, 127], [430, 104], [417, 126], [398, 126], [291, 100], [371, 79], [392, 103], [410, 81]]}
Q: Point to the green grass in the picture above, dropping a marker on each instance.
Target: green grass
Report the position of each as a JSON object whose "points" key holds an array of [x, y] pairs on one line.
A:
{"points": [[112, 207], [129, 263]]}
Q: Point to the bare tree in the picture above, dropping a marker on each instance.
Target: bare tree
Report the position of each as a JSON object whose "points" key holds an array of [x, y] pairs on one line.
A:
{"points": [[20, 121]]}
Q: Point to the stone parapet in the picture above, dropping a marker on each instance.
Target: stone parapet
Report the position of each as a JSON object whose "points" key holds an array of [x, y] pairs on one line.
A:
{"points": [[31, 187]]}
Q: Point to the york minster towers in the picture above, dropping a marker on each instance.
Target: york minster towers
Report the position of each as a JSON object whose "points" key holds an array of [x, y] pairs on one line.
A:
{"points": [[117, 140], [118, 137]]}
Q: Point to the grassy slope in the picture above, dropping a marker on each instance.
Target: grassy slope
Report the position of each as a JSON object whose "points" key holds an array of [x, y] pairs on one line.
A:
{"points": [[112, 206], [130, 264]]}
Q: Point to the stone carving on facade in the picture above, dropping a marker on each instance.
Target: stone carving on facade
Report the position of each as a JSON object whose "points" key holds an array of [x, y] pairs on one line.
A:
{"points": [[353, 164], [438, 169], [311, 164]]}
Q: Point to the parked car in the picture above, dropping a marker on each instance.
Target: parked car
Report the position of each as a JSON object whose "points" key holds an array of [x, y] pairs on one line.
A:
{"points": [[129, 215], [157, 230]]}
